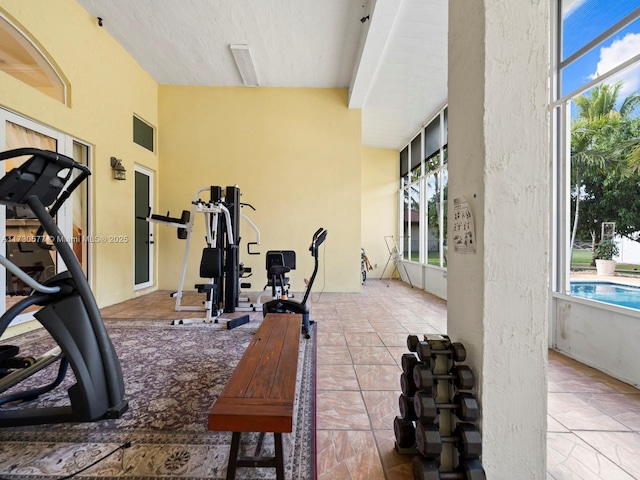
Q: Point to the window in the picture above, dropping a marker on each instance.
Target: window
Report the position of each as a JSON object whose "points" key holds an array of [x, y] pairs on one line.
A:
{"points": [[597, 122], [80, 214], [20, 58], [143, 134], [18, 223], [423, 197]]}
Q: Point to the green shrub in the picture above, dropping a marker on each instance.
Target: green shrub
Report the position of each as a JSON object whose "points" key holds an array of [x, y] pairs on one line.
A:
{"points": [[606, 250]]}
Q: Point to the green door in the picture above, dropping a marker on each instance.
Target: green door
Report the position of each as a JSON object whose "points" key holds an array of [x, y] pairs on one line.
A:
{"points": [[143, 236]]}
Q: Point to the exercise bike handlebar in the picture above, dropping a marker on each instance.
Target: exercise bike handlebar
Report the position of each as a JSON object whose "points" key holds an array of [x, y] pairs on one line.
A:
{"points": [[318, 237]]}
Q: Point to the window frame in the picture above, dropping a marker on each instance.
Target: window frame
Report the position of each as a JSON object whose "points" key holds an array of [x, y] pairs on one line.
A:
{"points": [[408, 180]]}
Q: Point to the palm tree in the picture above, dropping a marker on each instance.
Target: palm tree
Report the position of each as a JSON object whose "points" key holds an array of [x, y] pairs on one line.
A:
{"points": [[597, 122]]}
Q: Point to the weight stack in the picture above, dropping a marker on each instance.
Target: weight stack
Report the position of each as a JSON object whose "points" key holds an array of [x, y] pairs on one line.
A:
{"points": [[438, 411]]}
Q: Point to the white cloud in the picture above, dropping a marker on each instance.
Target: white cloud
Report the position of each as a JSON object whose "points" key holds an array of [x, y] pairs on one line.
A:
{"points": [[570, 6], [620, 51]]}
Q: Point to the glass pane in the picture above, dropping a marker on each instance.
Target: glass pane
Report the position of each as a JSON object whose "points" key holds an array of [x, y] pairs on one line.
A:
{"points": [[446, 126], [415, 221], [415, 153], [404, 235], [142, 229], [606, 56], [605, 161], [22, 60], [444, 176], [142, 134], [404, 162], [432, 163], [584, 20], [432, 137], [80, 210], [433, 220], [416, 173], [38, 260]]}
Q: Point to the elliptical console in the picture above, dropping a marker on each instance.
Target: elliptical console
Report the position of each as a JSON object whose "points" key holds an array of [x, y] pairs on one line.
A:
{"points": [[291, 306], [69, 311]]}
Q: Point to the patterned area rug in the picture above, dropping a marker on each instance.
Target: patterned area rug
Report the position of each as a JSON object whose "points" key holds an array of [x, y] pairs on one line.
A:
{"points": [[172, 376]]}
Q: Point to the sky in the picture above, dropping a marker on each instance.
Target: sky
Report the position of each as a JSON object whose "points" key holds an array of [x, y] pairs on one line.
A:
{"points": [[584, 20]]}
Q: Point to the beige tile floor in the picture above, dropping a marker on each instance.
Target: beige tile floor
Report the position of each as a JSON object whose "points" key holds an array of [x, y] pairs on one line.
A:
{"points": [[593, 420]]}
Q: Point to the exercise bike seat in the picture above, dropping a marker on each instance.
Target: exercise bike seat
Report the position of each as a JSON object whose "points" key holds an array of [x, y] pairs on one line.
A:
{"points": [[278, 270]]}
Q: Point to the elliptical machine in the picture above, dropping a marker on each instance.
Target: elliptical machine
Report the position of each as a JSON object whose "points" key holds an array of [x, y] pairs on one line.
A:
{"points": [[69, 311], [285, 305]]}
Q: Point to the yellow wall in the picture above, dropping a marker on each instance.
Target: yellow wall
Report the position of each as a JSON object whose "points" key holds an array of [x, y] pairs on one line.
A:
{"points": [[107, 88], [294, 153], [379, 206]]}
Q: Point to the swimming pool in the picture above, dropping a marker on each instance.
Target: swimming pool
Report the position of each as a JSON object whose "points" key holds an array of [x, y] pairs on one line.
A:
{"points": [[608, 292]]}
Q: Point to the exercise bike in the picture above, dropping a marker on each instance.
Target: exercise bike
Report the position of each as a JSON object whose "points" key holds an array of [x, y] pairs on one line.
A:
{"points": [[285, 305], [69, 311]]}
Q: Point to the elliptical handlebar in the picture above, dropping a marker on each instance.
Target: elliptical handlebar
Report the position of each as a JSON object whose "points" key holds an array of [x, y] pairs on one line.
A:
{"points": [[18, 272], [63, 160], [44, 176]]}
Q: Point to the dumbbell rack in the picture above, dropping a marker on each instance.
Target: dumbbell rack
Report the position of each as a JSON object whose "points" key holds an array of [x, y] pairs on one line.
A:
{"points": [[438, 411]]}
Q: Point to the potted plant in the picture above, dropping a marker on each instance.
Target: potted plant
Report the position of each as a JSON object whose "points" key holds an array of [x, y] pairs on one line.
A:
{"points": [[604, 253]]}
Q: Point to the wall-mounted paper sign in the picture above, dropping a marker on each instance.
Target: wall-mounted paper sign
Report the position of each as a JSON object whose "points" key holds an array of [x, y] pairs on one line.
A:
{"points": [[464, 233]]}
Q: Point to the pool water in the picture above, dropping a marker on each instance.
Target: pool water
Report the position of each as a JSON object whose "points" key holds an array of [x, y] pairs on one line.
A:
{"points": [[614, 293]]}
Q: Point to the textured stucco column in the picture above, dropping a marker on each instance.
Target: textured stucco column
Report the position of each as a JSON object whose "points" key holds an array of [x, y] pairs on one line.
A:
{"points": [[499, 160]]}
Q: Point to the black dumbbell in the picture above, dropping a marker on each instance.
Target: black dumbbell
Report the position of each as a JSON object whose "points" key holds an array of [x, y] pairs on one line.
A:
{"points": [[406, 405], [412, 340], [455, 350], [464, 405], [408, 361], [409, 388], [405, 432], [424, 469], [461, 376], [407, 385], [466, 437]]}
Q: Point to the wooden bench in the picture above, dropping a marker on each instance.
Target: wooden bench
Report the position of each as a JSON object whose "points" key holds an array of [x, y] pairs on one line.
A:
{"points": [[260, 395]]}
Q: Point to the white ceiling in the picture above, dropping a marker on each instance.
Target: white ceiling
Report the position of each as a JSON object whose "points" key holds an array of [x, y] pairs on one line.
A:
{"points": [[394, 63]]}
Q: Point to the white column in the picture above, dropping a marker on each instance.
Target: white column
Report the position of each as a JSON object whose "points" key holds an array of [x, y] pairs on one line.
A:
{"points": [[499, 160]]}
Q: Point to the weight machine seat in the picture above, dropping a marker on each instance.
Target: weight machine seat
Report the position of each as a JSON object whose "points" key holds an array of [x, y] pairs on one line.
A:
{"points": [[211, 267], [204, 287]]}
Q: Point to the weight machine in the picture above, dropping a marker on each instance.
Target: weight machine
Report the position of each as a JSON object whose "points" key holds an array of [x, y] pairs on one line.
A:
{"points": [[219, 264], [69, 311]]}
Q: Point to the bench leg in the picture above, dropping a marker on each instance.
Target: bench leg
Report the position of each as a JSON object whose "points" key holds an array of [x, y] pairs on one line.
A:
{"points": [[258, 460], [233, 456], [277, 437]]}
